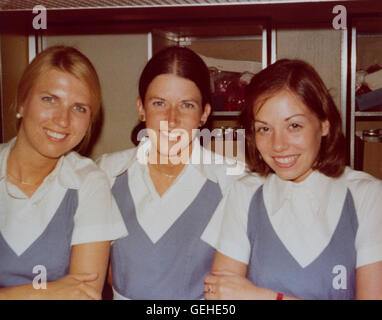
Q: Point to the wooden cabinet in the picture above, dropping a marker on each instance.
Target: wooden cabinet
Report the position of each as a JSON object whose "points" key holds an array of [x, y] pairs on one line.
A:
{"points": [[366, 56]]}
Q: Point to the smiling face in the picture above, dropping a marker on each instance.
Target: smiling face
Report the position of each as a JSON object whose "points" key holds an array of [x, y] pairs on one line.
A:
{"points": [[55, 115], [172, 108], [288, 135]]}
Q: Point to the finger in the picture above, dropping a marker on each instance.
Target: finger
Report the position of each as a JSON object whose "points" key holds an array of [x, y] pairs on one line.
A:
{"points": [[222, 273], [210, 292], [211, 279], [90, 291], [85, 276]]}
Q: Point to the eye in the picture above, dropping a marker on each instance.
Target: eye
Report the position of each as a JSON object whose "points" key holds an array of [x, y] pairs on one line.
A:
{"points": [[48, 99], [188, 105], [295, 126], [262, 129], [158, 103], [80, 108]]}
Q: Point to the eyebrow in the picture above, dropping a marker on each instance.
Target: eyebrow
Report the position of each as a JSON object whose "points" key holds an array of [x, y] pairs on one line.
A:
{"points": [[286, 119]]}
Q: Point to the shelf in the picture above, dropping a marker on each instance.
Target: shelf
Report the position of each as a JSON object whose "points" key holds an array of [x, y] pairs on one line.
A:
{"points": [[368, 114], [228, 113]]}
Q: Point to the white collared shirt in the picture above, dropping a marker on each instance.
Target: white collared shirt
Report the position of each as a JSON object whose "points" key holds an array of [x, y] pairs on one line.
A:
{"points": [[305, 215], [23, 219], [155, 213]]}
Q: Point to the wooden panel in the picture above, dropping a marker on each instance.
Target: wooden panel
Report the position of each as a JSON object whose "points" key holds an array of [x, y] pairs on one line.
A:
{"points": [[14, 56]]}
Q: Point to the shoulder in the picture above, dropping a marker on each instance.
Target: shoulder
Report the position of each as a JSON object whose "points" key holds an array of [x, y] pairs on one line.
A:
{"points": [[362, 183], [220, 169], [115, 163], [78, 171], [244, 188], [3, 146], [366, 192]]}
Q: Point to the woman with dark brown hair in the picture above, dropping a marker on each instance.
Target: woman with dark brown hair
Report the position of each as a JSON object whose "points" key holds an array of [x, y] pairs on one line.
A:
{"points": [[166, 191], [310, 230]]}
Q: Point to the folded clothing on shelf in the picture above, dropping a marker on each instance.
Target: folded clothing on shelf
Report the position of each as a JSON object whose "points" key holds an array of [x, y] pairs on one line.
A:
{"points": [[369, 89], [374, 80], [370, 100]]}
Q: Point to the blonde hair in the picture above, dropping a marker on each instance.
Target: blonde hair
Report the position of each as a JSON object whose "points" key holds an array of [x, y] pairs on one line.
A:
{"points": [[72, 61]]}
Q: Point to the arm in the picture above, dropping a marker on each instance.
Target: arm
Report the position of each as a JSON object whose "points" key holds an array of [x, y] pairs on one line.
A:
{"points": [[68, 287], [110, 277], [228, 282], [369, 281], [91, 258], [88, 264]]}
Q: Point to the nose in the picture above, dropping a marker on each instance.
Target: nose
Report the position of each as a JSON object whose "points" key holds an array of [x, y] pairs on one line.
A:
{"points": [[62, 117], [172, 117], [279, 141]]}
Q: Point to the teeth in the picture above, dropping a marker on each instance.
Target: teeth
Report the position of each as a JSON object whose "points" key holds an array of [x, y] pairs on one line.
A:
{"points": [[55, 135], [286, 160], [171, 135]]}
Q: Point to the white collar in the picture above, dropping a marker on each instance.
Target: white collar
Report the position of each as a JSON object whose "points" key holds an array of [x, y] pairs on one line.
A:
{"points": [[304, 215], [68, 171], [197, 158]]}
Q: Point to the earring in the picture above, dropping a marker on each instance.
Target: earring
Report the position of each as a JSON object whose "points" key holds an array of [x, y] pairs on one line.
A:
{"points": [[142, 117], [201, 123], [18, 115]]}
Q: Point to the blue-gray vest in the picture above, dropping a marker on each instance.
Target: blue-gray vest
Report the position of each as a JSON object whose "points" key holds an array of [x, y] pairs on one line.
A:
{"points": [[175, 266], [51, 249], [330, 276]]}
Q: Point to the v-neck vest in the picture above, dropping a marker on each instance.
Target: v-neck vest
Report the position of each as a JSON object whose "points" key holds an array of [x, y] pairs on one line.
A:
{"points": [[50, 250], [330, 276], [175, 266]]}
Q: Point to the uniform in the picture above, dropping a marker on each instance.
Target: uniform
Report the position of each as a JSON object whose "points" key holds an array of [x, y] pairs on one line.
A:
{"points": [[305, 239], [167, 253], [73, 205]]}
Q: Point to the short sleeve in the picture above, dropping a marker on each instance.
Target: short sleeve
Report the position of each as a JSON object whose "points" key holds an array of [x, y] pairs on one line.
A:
{"points": [[367, 195], [233, 239], [97, 217]]}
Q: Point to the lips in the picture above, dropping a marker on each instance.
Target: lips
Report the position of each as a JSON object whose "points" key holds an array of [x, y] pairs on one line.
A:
{"points": [[172, 136], [285, 162], [54, 135]]}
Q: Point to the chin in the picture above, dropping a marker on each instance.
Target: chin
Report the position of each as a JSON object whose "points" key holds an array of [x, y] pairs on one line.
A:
{"points": [[54, 153]]}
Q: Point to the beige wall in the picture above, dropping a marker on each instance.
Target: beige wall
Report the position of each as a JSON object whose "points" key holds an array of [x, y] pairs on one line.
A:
{"points": [[319, 47], [14, 59], [245, 50], [369, 51], [119, 60]]}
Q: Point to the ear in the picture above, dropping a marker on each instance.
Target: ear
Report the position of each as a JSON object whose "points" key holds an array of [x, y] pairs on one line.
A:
{"points": [[21, 110], [140, 109], [206, 113], [325, 128]]}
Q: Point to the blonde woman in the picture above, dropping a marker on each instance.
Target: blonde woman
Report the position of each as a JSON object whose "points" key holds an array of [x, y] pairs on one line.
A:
{"points": [[57, 213]]}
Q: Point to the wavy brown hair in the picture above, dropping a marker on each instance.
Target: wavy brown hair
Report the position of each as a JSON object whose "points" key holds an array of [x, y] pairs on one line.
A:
{"points": [[302, 80]]}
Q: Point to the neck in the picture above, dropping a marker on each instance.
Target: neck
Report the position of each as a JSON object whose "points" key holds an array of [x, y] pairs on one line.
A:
{"points": [[28, 167]]}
